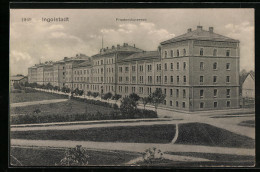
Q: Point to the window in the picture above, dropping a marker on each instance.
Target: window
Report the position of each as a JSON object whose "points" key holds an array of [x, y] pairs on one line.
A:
{"points": [[101, 62], [126, 69], [184, 52], [171, 92], [201, 51], [120, 79], [201, 105], [183, 104], [171, 66], [228, 93], [177, 92], [171, 53], [215, 104], [120, 69], [228, 66], [141, 68], [215, 93], [215, 52], [171, 79], [165, 79], [165, 91], [214, 79], [184, 65], [177, 104], [201, 65], [228, 79], [228, 53], [184, 79], [178, 79], [170, 103], [215, 65], [201, 79], [178, 53], [133, 68], [165, 54], [184, 93], [133, 78], [141, 90], [201, 93], [228, 103], [165, 66], [164, 102], [133, 89], [178, 65]]}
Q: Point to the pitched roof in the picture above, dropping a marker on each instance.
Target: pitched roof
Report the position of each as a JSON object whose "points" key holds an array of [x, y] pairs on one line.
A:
{"points": [[83, 64], [200, 34], [126, 48], [142, 56], [252, 74], [17, 78]]}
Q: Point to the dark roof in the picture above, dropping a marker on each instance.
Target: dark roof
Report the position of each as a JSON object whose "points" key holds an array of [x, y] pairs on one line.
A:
{"points": [[252, 74], [141, 56], [17, 78], [84, 64], [127, 48], [200, 34]]}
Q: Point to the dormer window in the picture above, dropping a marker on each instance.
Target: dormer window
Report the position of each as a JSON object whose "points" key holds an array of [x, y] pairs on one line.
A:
{"points": [[201, 51]]}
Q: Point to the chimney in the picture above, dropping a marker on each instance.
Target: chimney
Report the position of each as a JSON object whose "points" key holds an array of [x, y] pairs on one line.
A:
{"points": [[211, 29], [125, 44], [113, 47], [107, 48], [199, 28], [134, 45], [189, 30], [118, 46]]}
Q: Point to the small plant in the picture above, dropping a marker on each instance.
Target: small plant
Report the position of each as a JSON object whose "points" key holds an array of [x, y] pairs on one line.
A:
{"points": [[75, 157], [152, 154], [37, 111]]}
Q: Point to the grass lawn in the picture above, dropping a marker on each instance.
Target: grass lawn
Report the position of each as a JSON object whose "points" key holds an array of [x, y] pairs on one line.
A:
{"points": [[248, 123], [33, 96], [68, 107], [204, 134], [132, 134], [50, 156]]}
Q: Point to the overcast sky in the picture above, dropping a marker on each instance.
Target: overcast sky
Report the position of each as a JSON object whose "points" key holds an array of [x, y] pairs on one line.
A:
{"points": [[36, 40]]}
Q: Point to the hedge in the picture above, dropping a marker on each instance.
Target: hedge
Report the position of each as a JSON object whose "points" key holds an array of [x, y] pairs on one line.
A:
{"points": [[113, 115]]}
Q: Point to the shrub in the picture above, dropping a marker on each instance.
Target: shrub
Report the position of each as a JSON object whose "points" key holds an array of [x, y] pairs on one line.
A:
{"points": [[37, 111], [95, 94], [152, 154], [89, 93], [17, 86], [75, 157], [115, 106]]}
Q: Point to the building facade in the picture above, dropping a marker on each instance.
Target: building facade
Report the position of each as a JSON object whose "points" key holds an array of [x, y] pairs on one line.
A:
{"points": [[248, 86], [198, 70]]}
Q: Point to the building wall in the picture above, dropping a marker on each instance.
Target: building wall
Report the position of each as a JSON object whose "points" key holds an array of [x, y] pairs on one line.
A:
{"points": [[40, 75], [248, 87]]}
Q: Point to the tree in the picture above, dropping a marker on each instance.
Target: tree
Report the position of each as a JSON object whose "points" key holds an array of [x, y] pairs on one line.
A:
{"points": [[117, 97], [95, 94], [17, 86], [146, 100], [135, 98], [89, 93], [127, 106], [157, 98], [81, 92], [76, 91], [108, 96], [63, 89], [49, 86]]}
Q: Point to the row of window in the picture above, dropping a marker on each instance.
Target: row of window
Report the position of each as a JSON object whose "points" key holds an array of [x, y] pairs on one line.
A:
{"points": [[202, 104], [172, 53], [215, 66], [215, 79], [107, 61]]}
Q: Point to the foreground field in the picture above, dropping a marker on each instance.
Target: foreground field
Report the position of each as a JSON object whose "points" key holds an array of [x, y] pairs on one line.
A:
{"points": [[133, 134], [33, 96], [50, 157]]}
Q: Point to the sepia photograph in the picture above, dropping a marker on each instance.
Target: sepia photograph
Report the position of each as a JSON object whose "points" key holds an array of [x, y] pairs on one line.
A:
{"points": [[169, 87]]}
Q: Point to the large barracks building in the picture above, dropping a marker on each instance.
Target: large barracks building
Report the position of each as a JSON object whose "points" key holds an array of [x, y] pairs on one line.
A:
{"points": [[198, 70]]}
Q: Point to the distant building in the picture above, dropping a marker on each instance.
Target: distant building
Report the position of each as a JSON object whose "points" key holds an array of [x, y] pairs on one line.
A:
{"points": [[198, 70], [248, 86], [18, 79]]}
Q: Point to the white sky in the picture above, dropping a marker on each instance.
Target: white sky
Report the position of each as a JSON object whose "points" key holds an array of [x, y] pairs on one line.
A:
{"points": [[33, 41]]}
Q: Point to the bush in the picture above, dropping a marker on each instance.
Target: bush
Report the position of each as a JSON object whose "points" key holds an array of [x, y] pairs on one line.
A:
{"points": [[151, 154], [75, 157], [95, 94], [115, 106]]}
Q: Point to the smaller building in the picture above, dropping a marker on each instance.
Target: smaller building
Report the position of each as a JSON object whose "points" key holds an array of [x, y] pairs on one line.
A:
{"points": [[248, 86], [18, 79]]}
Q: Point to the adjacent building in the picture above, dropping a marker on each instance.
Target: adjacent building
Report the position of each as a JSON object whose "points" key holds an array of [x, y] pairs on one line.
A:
{"points": [[248, 86], [198, 70], [18, 79]]}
